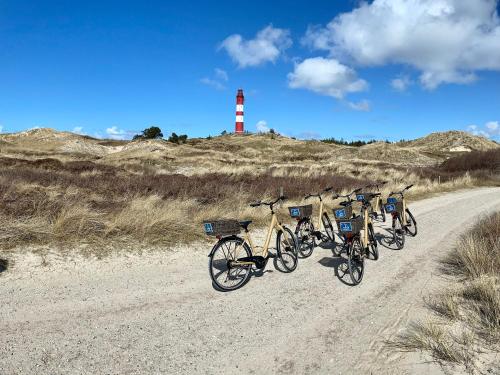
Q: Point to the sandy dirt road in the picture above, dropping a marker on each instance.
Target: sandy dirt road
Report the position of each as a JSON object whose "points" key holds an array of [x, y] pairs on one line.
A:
{"points": [[158, 313]]}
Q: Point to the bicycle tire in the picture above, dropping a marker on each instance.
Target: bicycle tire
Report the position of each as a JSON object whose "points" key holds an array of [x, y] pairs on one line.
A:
{"points": [[356, 261], [286, 250], [304, 234], [398, 232], [218, 260], [327, 224], [382, 211], [373, 245], [412, 223]]}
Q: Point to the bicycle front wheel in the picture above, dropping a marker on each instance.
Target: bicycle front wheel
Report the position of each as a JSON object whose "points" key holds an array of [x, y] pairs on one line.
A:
{"points": [[382, 211], [305, 237], [372, 246], [286, 249], [356, 261], [223, 267], [398, 232], [327, 224], [411, 224]]}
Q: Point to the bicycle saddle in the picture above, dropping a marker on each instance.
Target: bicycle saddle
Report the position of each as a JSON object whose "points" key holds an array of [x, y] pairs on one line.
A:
{"points": [[245, 224], [345, 204]]}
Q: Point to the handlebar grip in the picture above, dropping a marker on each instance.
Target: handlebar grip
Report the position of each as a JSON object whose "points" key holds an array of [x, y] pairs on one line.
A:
{"points": [[408, 187], [307, 196], [283, 197], [328, 189], [383, 182], [357, 190], [256, 204]]}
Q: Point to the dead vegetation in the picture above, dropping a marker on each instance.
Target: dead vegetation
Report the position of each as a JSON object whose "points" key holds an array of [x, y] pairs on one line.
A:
{"points": [[62, 189], [465, 327]]}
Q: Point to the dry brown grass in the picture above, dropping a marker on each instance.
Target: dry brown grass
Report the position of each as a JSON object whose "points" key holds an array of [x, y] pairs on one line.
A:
{"points": [[466, 324], [62, 189]]}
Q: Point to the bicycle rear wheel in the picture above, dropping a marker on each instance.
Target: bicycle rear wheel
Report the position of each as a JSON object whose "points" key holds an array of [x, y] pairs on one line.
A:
{"points": [[225, 275], [327, 224], [411, 224], [398, 232], [305, 237], [356, 261], [286, 249]]}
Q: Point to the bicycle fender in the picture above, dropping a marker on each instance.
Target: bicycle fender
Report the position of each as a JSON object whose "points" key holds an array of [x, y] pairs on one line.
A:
{"points": [[223, 239]]}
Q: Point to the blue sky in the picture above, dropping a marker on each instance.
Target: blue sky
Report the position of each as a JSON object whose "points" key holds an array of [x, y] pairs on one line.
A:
{"points": [[328, 69]]}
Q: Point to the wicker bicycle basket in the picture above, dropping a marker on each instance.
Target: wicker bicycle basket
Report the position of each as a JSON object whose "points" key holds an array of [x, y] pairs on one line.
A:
{"points": [[342, 213], [300, 212], [352, 226], [221, 227], [391, 207]]}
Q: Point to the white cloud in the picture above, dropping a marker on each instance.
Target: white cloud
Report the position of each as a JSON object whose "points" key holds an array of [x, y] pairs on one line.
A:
{"points": [[78, 130], [115, 133], [212, 82], [363, 105], [217, 82], [490, 130], [262, 127], [326, 77], [446, 40], [493, 127], [267, 46], [401, 83], [309, 135], [221, 74]]}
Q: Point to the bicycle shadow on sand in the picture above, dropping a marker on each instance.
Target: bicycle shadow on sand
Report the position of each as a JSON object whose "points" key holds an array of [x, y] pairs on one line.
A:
{"points": [[254, 272], [4, 264], [385, 238], [340, 267]]}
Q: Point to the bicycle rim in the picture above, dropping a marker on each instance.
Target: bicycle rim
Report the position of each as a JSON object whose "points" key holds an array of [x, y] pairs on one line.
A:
{"points": [[398, 232], [411, 227], [286, 250], [373, 246], [223, 275], [356, 261], [327, 224], [305, 238]]}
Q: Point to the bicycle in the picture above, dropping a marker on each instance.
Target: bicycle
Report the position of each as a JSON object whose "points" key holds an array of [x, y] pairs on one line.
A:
{"points": [[359, 245], [305, 232], [228, 270], [403, 220], [377, 202]]}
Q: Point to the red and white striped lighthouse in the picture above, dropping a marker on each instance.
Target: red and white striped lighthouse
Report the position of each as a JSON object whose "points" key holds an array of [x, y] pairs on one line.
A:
{"points": [[240, 99]]}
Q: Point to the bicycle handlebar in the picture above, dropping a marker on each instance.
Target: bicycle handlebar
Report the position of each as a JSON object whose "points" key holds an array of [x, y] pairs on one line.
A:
{"points": [[402, 191], [260, 203]]}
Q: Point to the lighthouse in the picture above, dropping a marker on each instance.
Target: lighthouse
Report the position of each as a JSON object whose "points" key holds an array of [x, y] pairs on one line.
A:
{"points": [[240, 99]]}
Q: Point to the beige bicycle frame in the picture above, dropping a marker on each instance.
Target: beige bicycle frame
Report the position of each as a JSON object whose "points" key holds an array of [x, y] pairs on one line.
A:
{"points": [[320, 215], [404, 212], [367, 220], [377, 204], [274, 225]]}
